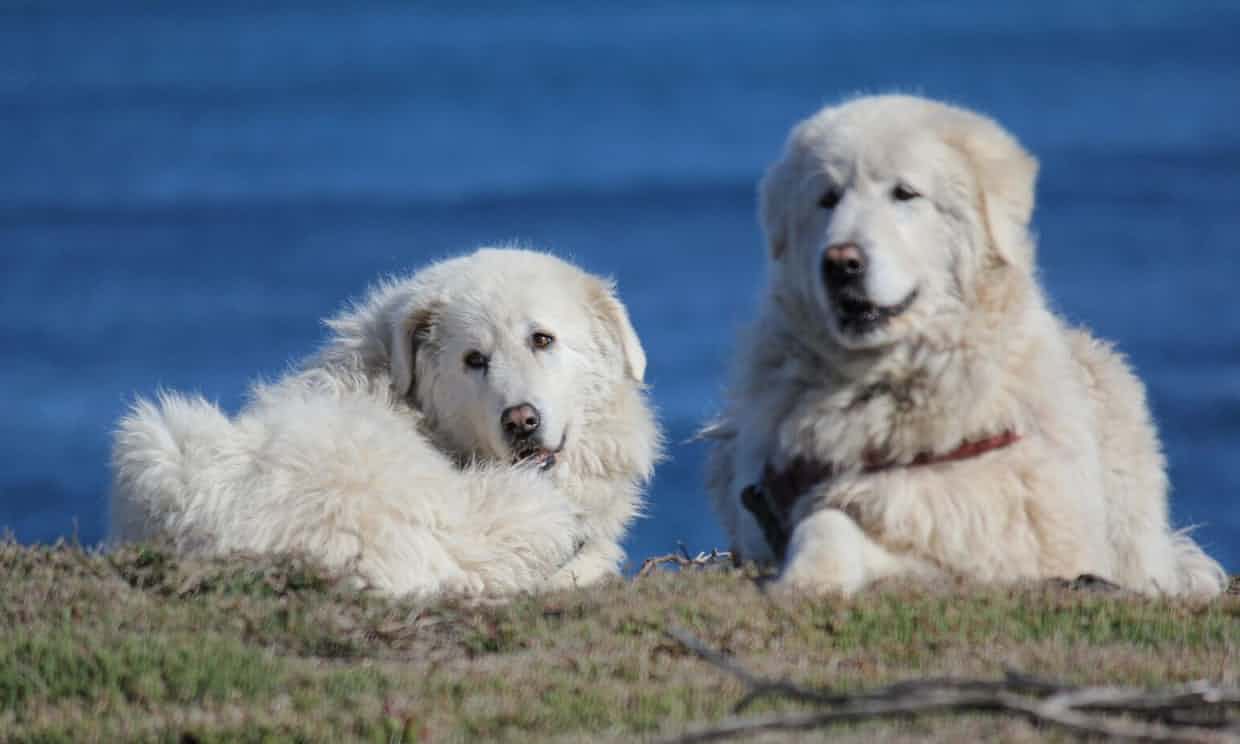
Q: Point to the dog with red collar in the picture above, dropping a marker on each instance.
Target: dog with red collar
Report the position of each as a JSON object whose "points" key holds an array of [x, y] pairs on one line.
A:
{"points": [[906, 403]]}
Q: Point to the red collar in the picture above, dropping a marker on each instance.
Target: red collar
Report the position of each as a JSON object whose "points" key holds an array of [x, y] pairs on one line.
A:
{"points": [[874, 462], [798, 476]]}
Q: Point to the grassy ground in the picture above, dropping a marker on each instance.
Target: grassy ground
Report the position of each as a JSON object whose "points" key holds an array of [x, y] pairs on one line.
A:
{"points": [[140, 646]]}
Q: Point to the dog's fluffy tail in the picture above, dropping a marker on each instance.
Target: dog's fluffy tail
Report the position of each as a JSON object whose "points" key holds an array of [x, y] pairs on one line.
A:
{"points": [[1198, 573], [153, 452]]}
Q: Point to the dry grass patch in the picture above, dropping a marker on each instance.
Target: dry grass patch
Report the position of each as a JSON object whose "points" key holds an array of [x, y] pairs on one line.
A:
{"points": [[140, 645]]}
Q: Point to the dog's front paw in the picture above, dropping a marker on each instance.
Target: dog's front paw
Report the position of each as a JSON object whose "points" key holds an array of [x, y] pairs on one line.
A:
{"points": [[826, 555]]}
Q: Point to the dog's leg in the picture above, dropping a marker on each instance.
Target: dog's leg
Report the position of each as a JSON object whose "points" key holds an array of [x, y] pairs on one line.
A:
{"points": [[829, 552], [759, 505], [752, 538], [594, 561]]}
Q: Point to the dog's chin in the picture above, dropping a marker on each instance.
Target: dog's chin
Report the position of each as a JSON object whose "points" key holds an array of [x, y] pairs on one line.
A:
{"points": [[858, 323]]}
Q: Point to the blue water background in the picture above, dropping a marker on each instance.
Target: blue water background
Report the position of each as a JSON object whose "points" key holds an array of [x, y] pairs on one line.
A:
{"points": [[187, 187]]}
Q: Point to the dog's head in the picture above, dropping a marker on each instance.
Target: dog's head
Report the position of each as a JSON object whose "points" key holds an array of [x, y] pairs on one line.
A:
{"points": [[502, 351], [886, 213]]}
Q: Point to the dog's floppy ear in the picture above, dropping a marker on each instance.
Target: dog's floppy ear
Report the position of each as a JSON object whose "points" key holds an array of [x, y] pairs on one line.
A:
{"points": [[775, 197], [613, 317], [409, 333], [1006, 175]]}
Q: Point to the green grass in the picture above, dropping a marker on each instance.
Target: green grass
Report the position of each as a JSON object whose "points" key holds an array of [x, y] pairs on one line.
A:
{"points": [[142, 646]]}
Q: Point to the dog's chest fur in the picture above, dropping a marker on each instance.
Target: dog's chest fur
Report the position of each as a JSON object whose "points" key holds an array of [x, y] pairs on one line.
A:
{"points": [[912, 400]]}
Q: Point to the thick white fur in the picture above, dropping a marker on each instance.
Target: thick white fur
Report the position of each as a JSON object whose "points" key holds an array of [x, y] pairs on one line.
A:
{"points": [[978, 353], [383, 455]]}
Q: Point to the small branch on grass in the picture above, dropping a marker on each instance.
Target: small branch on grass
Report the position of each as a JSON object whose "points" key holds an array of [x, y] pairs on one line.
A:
{"points": [[758, 687], [684, 560], [1115, 712]]}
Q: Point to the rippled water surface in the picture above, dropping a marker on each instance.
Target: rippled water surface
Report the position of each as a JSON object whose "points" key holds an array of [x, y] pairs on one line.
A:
{"points": [[187, 187]]}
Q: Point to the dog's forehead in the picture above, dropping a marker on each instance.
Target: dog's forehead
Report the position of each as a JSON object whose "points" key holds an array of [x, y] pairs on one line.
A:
{"points": [[874, 147], [512, 305]]}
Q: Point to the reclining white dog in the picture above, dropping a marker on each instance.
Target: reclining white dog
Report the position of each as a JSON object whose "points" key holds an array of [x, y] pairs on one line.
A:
{"points": [[479, 427]]}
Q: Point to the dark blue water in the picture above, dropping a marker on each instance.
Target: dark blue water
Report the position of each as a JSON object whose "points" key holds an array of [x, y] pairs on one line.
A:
{"points": [[186, 187]]}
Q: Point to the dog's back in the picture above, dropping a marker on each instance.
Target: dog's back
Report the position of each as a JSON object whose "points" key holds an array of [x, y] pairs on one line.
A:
{"points": [[1146, 551]]}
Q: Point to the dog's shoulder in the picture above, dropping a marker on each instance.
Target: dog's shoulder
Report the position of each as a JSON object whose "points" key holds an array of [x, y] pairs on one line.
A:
{"points": [[1105, 371]]}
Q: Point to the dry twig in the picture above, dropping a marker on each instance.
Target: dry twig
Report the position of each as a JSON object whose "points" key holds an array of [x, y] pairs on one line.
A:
{"points": [[1116, 712], [684, 560]]}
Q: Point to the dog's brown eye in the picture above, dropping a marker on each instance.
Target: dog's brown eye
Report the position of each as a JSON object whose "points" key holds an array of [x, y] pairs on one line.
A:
{"points": [[830, 199], [542, 340], [903, 193], [476, 360]]}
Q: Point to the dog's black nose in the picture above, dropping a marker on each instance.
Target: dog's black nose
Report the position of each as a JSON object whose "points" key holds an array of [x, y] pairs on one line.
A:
{"points": [[843, 263], [520, 421]]}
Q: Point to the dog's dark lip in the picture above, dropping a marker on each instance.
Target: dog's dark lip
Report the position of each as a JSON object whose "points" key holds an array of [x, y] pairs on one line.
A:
{"points": [[548, 456], [858, 315]]}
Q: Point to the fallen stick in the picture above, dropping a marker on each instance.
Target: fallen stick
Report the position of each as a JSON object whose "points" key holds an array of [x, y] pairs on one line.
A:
{"points": [[1092, 711]]}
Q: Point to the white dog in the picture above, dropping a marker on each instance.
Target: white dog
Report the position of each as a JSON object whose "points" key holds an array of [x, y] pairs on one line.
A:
{"points": [[906, 404], [479, 427]]}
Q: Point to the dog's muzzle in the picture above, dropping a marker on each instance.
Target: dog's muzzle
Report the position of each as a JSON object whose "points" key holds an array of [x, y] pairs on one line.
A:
{"points": [[844, 269], [522, 428]]}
